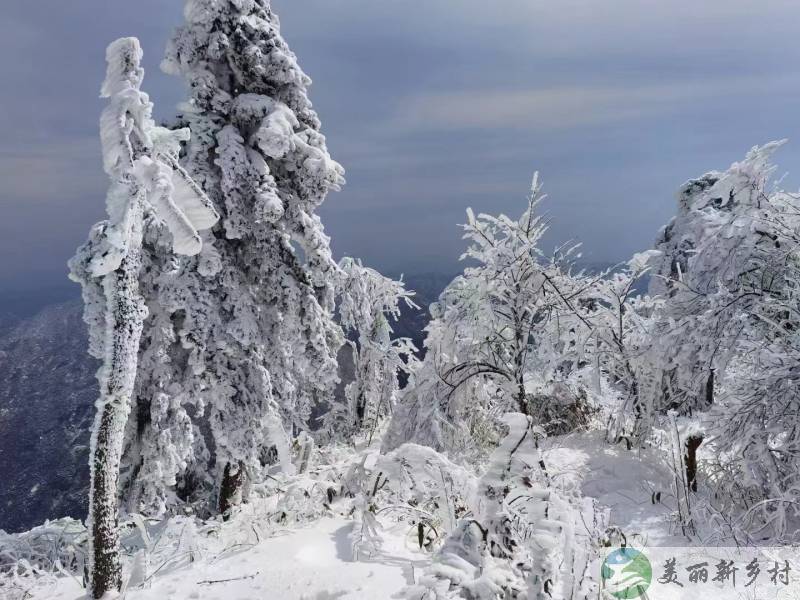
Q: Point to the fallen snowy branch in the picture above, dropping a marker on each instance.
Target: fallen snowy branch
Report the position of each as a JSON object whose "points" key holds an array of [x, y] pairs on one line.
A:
{"points": [[213, 581]]}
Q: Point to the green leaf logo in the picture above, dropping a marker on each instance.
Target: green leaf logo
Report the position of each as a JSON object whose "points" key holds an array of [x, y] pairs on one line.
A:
{"points": [[626, 573]]}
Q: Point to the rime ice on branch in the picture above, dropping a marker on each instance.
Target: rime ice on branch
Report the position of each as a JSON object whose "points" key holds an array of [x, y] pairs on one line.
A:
{"points": [[366, 301], [147, 189]]}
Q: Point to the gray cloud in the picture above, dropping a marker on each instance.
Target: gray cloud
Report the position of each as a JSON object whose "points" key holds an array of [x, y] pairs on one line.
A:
{"points": [[431, 106], [569, 107]]}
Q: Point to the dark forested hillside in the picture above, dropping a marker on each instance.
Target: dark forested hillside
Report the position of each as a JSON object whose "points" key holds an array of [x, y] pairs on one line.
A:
{"points": [[47, 390]]}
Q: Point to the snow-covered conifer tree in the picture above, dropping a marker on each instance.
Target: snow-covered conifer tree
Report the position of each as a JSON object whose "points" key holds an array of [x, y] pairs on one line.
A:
{"points": [[366, 302], [148, 190], [253, 313]]}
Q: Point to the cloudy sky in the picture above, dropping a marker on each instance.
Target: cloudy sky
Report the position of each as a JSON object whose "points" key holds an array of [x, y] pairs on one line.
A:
{"points": [[431, 107]]}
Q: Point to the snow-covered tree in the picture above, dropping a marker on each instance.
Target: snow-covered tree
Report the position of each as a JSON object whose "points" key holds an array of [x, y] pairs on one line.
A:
{"points": [[253, 313], [148, 190], [367, 302], [513, 314], [723, 345], [710, 274], [161, 436], [623, 325], [755, 428], [752, 313]]}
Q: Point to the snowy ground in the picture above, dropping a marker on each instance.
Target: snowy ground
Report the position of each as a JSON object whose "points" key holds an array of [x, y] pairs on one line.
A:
{"points": [[625, 482], [315, 562]]}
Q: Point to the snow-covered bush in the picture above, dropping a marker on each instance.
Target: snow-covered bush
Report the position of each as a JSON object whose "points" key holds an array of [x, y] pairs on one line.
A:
{"points": [[526, 539], [563, 409], [726, 345], [426, 486], [622, 343], [55, 549], [721, 257]]}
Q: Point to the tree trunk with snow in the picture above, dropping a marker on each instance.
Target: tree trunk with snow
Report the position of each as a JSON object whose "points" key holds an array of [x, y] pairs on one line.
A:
{"points": [[520, 344], [230, 490], [710, 388], [136, 156], [690, 460], [127, 316]]}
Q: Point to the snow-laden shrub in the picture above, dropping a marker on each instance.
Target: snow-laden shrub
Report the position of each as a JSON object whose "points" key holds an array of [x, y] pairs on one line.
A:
{"points": [[424, 487], [412, 485], [745, 494], [57, 548], [723, 256], [527, 538], [563, 409], [726, 347], [367, 303], [35, 559]]}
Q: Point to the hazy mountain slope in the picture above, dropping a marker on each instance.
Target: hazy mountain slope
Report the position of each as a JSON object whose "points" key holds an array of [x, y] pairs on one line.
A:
{"points": [[47, 391], [19, 304]]}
